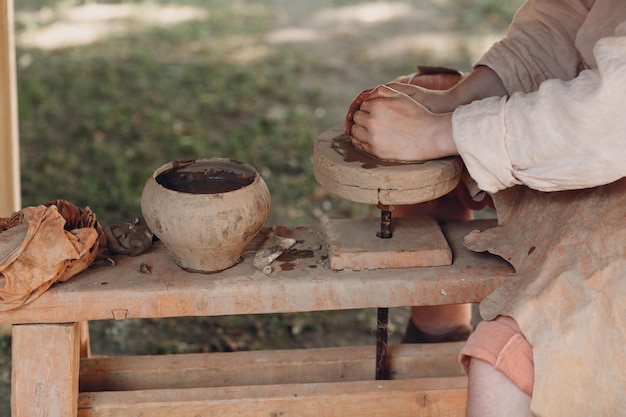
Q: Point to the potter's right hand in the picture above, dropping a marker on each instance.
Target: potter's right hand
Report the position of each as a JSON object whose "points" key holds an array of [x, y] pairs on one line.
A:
{"points": [[436, 101], [432, 78], [427, 86], [482, 82], [434, 83], [418, 134]]}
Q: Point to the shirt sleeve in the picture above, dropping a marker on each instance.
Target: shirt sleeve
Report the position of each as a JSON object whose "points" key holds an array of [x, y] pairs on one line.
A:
{"points": [[539, 45], [566, 135]]}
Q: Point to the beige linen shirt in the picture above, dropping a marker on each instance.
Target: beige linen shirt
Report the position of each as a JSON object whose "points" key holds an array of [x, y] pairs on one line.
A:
{"points": [[562, 126], [562, 129]]}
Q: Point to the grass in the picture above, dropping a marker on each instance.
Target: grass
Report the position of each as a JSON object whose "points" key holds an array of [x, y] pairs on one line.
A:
{"points": [[97, 119]]}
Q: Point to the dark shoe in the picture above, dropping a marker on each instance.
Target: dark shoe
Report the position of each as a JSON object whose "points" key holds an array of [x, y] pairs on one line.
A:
{"points": [[415, 335]]}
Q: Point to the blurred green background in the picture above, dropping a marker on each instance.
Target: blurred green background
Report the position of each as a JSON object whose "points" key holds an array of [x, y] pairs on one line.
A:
{"points": [[111, 90]]}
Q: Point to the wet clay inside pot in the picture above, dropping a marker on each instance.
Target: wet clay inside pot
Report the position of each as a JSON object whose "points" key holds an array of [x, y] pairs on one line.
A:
{"points": [[204, 177]]}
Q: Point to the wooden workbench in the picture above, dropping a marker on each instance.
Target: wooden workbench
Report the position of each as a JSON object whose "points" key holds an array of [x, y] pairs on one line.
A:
{"points": [[47, 334]]}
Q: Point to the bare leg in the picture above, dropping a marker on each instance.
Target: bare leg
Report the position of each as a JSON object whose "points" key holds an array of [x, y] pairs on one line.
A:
{"points": [[492, 394], [437, 320], [440, 320]]}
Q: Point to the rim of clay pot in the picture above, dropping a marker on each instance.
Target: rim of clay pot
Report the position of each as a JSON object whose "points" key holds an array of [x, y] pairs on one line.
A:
{"points": [[240, 175]]}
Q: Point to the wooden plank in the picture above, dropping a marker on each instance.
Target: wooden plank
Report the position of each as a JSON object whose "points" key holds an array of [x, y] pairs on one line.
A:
{"points": [[417, 241], [301, 282], [206, 370], [85, 345], [10, 199], [45, 366], [441, 397]]}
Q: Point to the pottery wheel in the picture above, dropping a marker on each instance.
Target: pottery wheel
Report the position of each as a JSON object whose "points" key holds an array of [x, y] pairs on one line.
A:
{"points": [[347, 173], [352, 175]]}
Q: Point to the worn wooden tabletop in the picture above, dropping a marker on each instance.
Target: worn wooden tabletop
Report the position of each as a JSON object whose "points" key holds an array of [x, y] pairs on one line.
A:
{"points": [[300, 281]]}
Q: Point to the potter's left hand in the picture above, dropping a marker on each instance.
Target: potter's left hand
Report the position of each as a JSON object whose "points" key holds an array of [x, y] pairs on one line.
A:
{"points": [[391, 125]]}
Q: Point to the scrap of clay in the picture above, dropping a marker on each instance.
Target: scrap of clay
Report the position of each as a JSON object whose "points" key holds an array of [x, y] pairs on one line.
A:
{"points": [[273, 247], [129, 238]]}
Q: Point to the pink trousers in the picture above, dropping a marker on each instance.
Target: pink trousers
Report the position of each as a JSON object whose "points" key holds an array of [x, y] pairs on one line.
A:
{"points": [[500, 342]]}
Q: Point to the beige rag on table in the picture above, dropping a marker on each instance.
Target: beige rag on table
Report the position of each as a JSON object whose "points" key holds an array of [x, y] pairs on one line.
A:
{"points": [[568, 294], [42, 245]]}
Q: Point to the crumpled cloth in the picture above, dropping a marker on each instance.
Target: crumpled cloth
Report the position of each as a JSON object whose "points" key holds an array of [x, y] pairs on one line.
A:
{"points": [[42, 245], [568, 294]]}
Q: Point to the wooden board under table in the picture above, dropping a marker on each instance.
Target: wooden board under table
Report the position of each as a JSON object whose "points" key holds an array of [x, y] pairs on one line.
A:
{"points": [[301, 281], [430, 397], [266, 367], [426, 380]]}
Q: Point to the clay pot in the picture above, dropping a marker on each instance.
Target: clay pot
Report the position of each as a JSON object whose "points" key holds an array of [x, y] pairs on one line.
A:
{"points": [[205, 211]]}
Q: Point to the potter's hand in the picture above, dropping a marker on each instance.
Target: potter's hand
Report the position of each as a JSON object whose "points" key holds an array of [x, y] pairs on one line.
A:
{"points": [[390, 125], [430, 99], [432, 78], [354, 107], [427, 86], [434, 83], [437, 101], [444, 92]]}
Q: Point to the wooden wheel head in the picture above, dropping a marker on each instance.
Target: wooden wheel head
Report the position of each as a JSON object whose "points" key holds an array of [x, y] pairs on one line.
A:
{"points": [[352, 175]]}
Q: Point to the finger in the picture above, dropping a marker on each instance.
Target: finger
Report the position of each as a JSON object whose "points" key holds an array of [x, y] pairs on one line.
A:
{"points": [[348, 123], [386, 91], [349, 119], [354, 106], [403, 88], [360, 117], [359, 136], [363, 107], [405, 78], [361, 146], [359, 133], [436, 81], [365, 96], [381, 91]]}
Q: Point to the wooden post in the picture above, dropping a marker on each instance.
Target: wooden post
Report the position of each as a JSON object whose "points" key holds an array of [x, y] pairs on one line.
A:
{"points": [[85, 345], [10, 194], [44, 374]]}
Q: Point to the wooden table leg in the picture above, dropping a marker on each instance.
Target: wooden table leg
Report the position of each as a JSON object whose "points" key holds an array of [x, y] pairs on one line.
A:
{"points": [[44, 374], [85, 345]]}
